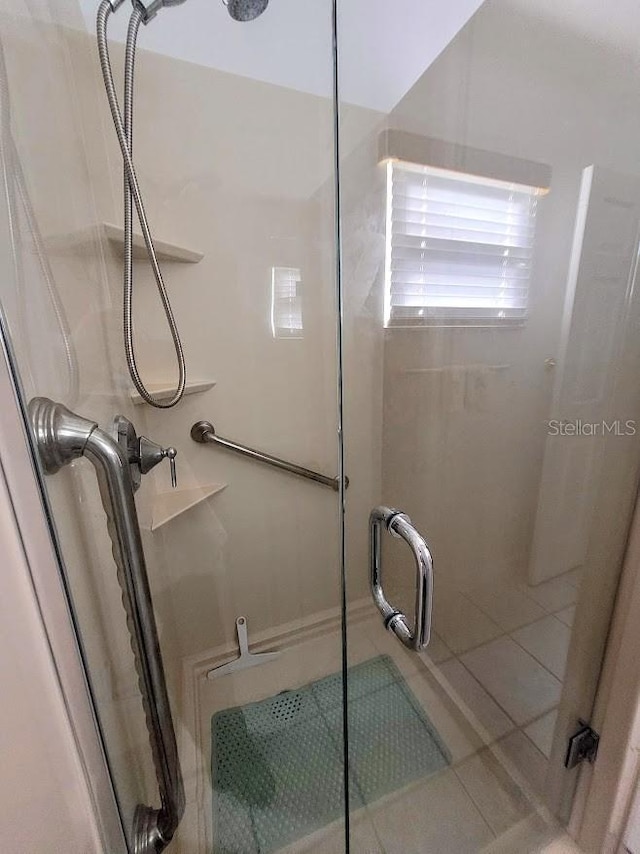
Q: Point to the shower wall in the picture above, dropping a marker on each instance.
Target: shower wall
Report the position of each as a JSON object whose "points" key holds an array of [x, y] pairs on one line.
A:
{"points": [[464, 410], [231, 167], [243, 172], [515, 84], [49, 123]]}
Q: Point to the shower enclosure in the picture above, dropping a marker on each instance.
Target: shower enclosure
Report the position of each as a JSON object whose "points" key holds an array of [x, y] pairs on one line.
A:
{"points": [[367, 607]]}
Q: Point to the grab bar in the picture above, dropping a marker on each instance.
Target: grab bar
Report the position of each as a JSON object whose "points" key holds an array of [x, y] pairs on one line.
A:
{"points": [[204, 432], [61, 437], [399, 525]]}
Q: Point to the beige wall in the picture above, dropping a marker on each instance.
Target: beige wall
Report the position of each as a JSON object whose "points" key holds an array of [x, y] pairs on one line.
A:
{"points": [[228, 167], [467, 470], [50, 129], [231, 167], [44, 801], [243, 171], [509, 84]]}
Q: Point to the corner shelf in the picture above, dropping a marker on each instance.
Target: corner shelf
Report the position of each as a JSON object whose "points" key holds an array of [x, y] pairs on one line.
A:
{"points": [[84, 242], [168, 505], [166, 251], [163, 391]]}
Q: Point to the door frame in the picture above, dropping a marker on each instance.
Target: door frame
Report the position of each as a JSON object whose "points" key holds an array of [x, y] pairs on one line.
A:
{"points": [[607, 789], [34, 527]]}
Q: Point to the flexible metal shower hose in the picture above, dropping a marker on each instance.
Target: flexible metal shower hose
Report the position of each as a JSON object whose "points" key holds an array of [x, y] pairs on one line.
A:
{"points": [[132, 194]]}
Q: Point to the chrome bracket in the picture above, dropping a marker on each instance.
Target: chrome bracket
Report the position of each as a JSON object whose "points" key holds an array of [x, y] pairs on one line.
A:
{"points": [[583, 746], [150, 8], [142, 454]]}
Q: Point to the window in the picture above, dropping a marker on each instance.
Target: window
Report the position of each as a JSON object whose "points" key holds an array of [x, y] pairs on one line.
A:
{"points": [[459, 248], [286, 302]]}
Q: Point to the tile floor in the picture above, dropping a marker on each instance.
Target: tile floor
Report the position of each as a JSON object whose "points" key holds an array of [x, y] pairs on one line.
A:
{"points": [[507, 662], [490, 683], [521, 686]]}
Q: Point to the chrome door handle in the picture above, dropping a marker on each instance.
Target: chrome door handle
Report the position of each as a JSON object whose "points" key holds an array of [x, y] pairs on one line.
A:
{"points": [[61, 437], [399, 525]]}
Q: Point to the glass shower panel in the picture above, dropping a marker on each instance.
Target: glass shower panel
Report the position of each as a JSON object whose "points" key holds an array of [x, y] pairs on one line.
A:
{"points": [[490, 222], [234, 140]]}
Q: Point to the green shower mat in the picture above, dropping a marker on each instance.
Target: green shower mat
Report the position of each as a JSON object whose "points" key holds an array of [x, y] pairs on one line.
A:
{"points": [[277, 764]]}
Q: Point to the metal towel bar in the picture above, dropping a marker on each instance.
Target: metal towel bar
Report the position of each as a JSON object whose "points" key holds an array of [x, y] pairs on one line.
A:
{"points": [[61, 437], [204, 432]]}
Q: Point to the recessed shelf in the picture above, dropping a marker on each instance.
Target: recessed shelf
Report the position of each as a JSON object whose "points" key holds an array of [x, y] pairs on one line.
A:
{"points": [[168, 505], [165, 251], [163, 391]]}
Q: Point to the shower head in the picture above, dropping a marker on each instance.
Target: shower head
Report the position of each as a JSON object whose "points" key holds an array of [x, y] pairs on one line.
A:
{"points": [[245, 10], [240, 10]]}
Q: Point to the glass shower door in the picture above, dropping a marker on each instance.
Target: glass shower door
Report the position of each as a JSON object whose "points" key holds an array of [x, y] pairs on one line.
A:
{"points": [[234, 137], [490, 222]]}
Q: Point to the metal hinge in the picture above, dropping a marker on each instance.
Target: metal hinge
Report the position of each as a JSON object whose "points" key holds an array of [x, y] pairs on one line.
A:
{"points": [[583, 746]]}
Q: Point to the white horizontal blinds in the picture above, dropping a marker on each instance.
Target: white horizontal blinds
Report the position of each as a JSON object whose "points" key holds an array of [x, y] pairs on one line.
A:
{"points": [[286, 302], [459, 247]]}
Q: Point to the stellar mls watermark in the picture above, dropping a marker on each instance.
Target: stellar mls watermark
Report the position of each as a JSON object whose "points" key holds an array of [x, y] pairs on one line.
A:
{"points": [[578, 427]]}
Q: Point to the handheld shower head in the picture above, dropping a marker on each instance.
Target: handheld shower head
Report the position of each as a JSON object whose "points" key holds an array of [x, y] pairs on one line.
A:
{"points": [[245, 10], [240, 10]]}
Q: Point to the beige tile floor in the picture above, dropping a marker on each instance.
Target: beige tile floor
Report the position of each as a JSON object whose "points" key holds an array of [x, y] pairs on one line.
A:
{"points": [[541, 732], [564, 845], [547, 640], [510, 682], [489, 682], [521, 686]]}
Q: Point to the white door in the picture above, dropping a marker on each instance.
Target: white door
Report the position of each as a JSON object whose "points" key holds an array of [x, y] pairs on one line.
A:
{"points": [[602, 273]]}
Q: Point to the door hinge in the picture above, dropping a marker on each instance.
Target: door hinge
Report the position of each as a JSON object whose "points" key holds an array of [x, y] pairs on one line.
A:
{"points": [[583, 746]]}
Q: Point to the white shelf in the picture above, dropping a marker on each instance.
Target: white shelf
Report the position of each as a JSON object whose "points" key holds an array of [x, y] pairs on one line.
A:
{"points": [[84, 242], [168, 505], [163, 391], [165, 251]]}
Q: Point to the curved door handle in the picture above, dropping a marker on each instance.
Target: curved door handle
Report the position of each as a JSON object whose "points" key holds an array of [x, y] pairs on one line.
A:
{"points": [[399, 525], [61, 437]]}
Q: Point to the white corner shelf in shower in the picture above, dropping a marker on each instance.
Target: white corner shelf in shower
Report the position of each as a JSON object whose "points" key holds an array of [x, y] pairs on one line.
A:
{"points": [[164, 391], [168, 505], [166, 251], [85, 242]]}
